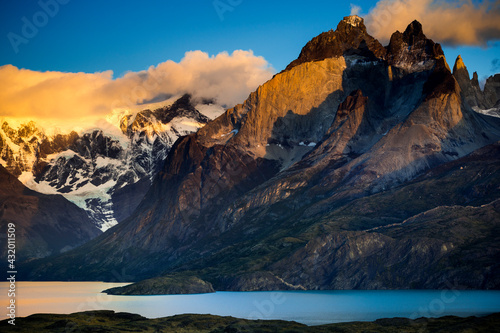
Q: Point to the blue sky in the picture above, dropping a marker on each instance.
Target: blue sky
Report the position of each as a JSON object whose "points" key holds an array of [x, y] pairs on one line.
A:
{"points": [[122, 35], [91, 36]]}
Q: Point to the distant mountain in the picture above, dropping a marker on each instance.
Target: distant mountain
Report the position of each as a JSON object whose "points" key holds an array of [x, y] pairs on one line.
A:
{"points": [[358, 166], [107, 174], [44, 224]]}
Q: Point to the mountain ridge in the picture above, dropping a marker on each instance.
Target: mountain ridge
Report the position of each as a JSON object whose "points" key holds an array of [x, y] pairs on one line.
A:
{"points": [[88, 168], [246, 201]]}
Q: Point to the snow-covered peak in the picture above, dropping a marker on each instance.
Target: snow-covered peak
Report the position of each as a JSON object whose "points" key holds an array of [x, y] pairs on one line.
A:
{"points": [[353, 20]]}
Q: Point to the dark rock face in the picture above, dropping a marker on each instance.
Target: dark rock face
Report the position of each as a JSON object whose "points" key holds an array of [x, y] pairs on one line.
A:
{"points": [[492, 90], [412, 47], [350, 38], [308, 182], [375, 260], [45, 224]]}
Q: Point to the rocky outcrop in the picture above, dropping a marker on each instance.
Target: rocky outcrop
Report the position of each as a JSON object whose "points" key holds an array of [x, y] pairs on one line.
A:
{"points": [[479, 100], [166, 285], [472, 94]]}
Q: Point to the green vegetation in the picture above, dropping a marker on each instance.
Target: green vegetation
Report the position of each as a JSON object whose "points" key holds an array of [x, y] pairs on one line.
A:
{"points": [[109, 321]]}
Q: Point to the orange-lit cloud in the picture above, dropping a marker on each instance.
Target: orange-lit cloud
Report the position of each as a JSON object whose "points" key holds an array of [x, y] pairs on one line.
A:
{"points": [[458, 22], [77, 97]]}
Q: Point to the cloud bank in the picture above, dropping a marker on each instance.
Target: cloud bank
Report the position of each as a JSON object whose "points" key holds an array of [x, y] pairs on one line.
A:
{"points": [[82, 97], [453, 23]]}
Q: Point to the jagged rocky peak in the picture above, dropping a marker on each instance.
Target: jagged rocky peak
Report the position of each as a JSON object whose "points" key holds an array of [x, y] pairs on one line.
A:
{"points": [[355, 21], [351, 24], [28, 130], [350, 38], [475, 79], [413, 49], [461, 74], [148, 120], [471, 91], [183, 107], [414, 33], [459, 65], [410, 50]]}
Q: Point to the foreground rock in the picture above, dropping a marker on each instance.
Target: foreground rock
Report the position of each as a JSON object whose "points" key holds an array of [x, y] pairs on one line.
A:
{"points": [[109, 321]]}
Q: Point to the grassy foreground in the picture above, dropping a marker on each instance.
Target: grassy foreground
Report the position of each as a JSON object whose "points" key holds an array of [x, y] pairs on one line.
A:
{"points": [[109, 321]]}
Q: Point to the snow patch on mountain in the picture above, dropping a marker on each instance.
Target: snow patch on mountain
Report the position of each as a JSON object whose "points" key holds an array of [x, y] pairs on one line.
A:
{"points": [[493, 112], [212, 111]]}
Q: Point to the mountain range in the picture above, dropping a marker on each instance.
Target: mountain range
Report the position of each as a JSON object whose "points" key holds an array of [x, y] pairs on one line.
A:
{"points": [[357, 167], [105, 173]]}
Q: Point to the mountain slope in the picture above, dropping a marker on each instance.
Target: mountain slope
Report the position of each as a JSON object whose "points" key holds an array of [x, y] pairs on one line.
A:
{"points": [[45, 224], [241, 201]]}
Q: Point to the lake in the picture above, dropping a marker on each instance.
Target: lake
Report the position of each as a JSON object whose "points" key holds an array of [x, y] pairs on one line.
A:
{"points": [[308, 307]]}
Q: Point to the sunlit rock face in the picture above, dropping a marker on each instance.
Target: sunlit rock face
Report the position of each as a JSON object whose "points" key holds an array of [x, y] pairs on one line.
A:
{"points": [[312, 181]]}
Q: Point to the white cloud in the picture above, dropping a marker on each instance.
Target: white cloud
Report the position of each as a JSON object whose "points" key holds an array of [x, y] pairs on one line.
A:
{"points": [[456, 22], [64, 98], [355, 10]]}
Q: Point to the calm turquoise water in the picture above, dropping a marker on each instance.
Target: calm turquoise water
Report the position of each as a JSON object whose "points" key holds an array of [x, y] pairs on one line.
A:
{"points": [[311, 307]]}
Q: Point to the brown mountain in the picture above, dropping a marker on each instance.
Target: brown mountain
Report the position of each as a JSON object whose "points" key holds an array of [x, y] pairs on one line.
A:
{"points": [[44, 224], [311, 182]]}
